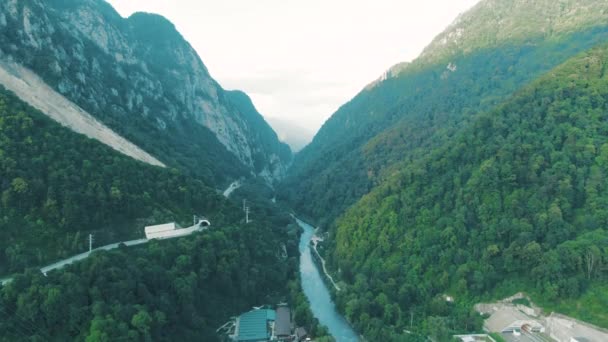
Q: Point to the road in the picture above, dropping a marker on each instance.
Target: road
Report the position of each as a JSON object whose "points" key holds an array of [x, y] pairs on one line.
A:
{"points": [[234, 186], [85, 255], [82, 256], [315, 240]]}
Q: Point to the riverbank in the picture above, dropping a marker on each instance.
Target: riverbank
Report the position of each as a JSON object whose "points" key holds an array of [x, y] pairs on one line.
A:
{"points": [[317, 291], [320, 262]]}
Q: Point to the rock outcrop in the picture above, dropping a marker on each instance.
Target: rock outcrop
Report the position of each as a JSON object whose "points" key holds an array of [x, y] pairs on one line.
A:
{"points": [[140, 77]]}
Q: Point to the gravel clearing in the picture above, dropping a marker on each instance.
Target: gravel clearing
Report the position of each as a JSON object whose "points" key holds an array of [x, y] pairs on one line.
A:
{"points": [[33, 90]]}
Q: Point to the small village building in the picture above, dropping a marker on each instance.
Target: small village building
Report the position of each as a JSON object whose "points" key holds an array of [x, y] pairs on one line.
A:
{"points": [[255, 326], [475, 338], [301, 334], [283, 324]]}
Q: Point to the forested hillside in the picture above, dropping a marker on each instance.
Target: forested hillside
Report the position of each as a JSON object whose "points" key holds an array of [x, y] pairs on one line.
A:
{"points": [[57, 186], [423, 104], [517, 197], [164, 291]]}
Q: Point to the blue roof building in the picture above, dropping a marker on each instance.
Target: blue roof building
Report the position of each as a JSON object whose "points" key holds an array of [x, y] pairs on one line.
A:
{"points": [[255, 325]]}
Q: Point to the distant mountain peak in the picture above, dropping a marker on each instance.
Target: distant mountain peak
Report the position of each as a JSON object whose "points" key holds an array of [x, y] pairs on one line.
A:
{"points": [[495, 22]]}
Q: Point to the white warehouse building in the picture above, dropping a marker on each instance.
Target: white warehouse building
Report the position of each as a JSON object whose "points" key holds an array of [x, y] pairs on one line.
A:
{"points": [[173, 230]]}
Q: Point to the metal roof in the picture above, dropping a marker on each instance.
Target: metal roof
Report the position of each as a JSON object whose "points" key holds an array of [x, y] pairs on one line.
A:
{"points": [[253, 325], [161, 228], [283, 322]]}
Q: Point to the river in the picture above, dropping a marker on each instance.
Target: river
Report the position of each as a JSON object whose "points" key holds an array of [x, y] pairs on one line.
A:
{"points": [[323, 308]]}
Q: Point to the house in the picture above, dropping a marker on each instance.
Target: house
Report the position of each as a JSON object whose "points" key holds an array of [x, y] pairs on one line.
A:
{"points": [[474, 338], [255, 326], [282, 326], [301, 334]]}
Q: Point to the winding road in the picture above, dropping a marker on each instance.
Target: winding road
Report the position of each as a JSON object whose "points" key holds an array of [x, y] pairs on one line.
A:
{"points": [[234, 186], [82, 256]]}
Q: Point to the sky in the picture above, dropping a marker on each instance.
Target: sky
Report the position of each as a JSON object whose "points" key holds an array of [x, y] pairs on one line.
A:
{"points": [[300, 60]]}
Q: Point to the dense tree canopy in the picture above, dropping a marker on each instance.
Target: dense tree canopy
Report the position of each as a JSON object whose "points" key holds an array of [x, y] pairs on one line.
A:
{"points": [[164, 291], [519, 195], [406, 115], [57, 186]]}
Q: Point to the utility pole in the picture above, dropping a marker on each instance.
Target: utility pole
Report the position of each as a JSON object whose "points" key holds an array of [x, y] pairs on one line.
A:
{"points": [[247, 215], [411, 319], [90, 242], [244, 205]]}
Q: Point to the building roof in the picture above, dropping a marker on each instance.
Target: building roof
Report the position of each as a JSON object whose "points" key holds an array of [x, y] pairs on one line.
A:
{"points": [[301, 332], [161, 228], [283, 322], [253, 325]]}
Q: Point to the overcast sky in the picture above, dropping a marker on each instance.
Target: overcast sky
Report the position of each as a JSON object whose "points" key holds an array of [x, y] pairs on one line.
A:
{"points": [[300, 60]]}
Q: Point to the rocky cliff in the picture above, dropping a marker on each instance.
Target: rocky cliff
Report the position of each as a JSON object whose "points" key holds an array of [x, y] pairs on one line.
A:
{"points": [[140, 77]]}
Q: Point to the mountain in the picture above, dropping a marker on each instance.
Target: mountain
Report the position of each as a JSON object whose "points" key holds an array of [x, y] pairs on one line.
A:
{"points": [[58, 186], [518, 197], [295, 136], [267, 141], [471, 171], [469, 69], [139, 77]]}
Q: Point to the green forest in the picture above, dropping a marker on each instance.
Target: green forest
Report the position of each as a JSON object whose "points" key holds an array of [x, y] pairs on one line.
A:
{"points": [[516, 200], [56, 187], [179, 290], [403, 117], [472, 173]]}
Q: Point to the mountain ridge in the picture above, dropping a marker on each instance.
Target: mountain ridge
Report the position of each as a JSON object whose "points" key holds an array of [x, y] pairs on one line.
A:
{"points": [[517, 195], [155, 92], [396, 116]]}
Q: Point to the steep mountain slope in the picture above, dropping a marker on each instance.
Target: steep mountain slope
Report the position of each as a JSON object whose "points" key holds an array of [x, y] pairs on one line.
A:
{"points": [[143, 80], [517, 196], [31, 89], [266, 139], [491, 23], [467, 70], [57, 186]]}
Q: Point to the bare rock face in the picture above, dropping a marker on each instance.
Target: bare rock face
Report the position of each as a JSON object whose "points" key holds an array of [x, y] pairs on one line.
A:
{"points": [[140, 77]]}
